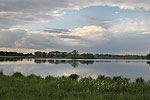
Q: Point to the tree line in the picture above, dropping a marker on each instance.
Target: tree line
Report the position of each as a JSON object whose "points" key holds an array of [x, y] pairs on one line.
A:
{"points": [[5, 53], [76, 55], [73, 55]]}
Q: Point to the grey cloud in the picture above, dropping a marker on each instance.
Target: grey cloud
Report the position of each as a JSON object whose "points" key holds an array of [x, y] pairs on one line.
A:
{"points": [[20, 12], [20, 39], [7, 38], [132, 43], [57, 30], [104, 22], [69, 37], [40, 42]]}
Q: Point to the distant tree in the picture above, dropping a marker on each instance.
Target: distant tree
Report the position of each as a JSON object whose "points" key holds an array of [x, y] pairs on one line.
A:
{"points": [[44, 54], [74, 54], [90, 56], [148, 56], [5, 53], [87, 56], [50, 55], [38, 54]]}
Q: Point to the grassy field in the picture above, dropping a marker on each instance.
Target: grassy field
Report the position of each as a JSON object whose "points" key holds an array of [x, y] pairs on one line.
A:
{"points": [[19, 87]]}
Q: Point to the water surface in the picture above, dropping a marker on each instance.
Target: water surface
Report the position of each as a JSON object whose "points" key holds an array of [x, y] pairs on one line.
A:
{"points": [[83, 67]]}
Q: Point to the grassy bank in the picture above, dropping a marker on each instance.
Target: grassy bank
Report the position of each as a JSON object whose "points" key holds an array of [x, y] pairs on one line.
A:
{"points": [[10, 56], [19, 87]]}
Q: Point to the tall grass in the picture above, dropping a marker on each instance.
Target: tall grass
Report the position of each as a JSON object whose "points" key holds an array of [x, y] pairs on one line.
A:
{"points": [[32, 87]]}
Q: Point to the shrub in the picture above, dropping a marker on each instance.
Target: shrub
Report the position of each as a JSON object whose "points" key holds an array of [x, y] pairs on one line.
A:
{"points": [[49, 77], [17, 74], [1, 72], [140, 80], [32, 76], [100, 77], [117, 78], [74, 76]]}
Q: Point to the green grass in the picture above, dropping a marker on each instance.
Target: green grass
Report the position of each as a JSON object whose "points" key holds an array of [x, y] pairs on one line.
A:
{"points": [[32, 87], [11, 56]]}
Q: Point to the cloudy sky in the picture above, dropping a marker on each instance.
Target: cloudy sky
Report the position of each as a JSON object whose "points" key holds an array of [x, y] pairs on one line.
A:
{"points": [[97, 26]]}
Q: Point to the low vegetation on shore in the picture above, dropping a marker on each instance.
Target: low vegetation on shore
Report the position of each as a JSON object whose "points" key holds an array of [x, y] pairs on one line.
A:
{"points": [[32, 87]]}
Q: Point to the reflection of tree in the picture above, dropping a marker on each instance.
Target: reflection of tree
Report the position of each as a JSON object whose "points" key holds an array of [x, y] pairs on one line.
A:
{"points": [[40, 61], [86, 62], [10, 59], [148, 62], [73, 63]]}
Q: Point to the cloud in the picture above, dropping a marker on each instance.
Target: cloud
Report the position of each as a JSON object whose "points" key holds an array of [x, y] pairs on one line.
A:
{"points": [[8, 37], [20, 12], [69, 37], [56, 30], [108, 36], [104, 22], [25, 39], [126, 36]]}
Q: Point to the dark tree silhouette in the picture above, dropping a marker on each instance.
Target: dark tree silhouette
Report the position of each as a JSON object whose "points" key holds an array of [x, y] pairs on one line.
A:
{"points": [[148, 56]]}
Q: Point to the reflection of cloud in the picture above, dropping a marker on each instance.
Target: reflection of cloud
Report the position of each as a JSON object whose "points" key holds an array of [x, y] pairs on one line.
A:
{"points": [[24, 62]]}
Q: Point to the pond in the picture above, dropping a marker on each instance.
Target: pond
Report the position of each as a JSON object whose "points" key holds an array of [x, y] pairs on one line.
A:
{"points": [[84, 67]]}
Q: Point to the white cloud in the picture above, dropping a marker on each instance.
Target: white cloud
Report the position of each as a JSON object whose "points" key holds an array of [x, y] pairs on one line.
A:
{"points": [[19, 12], [128, 26], [89, 35], [123, 37]]}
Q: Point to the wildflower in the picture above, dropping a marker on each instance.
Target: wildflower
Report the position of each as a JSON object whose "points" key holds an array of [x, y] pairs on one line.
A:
{"points": [[58, 85]]}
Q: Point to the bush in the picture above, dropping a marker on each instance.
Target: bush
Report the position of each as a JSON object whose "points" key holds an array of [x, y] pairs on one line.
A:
{"points": [[117, 78], [1, 72], [74, 76], [49, 77], [32, 76], [140, 80], [100, 77], [17, 74]]}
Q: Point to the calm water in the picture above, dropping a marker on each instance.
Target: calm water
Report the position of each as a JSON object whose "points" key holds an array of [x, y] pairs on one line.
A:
{"points": [[44, 67]]}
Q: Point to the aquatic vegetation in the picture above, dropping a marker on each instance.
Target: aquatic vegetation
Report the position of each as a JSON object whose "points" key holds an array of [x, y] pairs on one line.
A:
{"points": [[32, 87]]}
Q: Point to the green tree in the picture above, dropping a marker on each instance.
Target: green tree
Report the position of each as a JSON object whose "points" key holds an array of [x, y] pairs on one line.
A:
{"points": [[148, 56], [74, 54], [38, 54]]}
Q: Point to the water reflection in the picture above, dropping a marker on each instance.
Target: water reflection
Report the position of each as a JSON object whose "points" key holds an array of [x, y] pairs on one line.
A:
{"points": [[83, 67], [73, 63], [10, 59], [148, 62]]}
